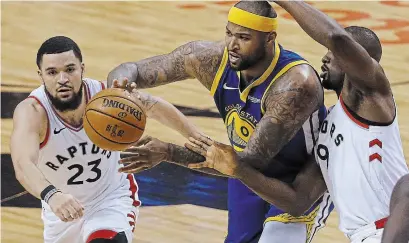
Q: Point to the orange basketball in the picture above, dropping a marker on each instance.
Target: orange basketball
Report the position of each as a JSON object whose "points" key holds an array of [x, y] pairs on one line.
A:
{"points": [[113, 120]]}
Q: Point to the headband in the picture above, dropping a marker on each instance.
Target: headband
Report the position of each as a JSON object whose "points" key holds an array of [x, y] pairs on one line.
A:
{"points": [[252, 21]]}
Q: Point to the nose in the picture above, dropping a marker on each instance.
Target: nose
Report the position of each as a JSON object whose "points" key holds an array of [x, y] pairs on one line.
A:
{"points": [[63, 78], [233, 44], [325, 59]]}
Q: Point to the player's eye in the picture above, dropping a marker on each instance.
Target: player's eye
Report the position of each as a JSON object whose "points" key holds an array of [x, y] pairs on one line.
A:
{"points": [[52, 72], [70, 70]]}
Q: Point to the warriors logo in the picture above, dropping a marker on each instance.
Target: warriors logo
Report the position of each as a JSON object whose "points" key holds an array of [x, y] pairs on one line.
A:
{"points": [[239, 130]]}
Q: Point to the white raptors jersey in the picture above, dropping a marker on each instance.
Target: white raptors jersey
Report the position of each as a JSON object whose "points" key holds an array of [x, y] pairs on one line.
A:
{"points": [[361, 164], [72, 163]]}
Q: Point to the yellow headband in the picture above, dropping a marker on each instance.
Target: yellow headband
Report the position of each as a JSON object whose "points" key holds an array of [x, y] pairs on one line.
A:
{"points": [[252, 21]]}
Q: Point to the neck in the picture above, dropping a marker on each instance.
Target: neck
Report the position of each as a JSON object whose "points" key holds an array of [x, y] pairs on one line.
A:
{"points": [[257, 70], [74, 117]]}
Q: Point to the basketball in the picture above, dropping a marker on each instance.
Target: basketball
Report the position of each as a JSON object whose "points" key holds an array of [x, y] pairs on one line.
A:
{"points": [[113, 120]]}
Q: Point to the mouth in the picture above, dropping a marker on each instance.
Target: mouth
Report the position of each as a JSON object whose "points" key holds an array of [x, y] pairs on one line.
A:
{"points": [[233, 57], [324, 74], [64, 92]]}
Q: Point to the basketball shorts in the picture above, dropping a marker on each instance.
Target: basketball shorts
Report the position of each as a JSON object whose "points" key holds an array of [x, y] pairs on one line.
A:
{"points": [[371, 233], [248, 214], [118, 213]]}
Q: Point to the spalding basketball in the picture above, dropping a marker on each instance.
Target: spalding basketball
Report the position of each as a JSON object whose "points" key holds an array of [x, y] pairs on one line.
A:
{"points": [[113, 120]]}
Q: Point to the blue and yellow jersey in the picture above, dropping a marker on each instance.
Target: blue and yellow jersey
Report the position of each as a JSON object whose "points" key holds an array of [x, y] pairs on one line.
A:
{"points": [[241, 110]]}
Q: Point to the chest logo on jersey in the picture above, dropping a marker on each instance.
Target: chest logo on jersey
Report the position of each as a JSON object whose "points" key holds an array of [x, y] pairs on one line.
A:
{"points": [[324, 129], [73, 151], [239, 129]]}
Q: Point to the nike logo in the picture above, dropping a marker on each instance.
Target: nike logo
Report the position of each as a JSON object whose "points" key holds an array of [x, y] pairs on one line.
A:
{"points": [[56, 132], [227, 87]]}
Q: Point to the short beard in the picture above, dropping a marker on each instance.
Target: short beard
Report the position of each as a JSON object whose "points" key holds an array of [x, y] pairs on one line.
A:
{"points": [[253, 60], [68, 105]]}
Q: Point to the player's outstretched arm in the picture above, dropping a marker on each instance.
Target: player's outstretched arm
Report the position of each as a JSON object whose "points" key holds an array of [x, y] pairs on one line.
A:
{"points": [[166, 113], [28, 119], [396, 230], [288, 104], [352, 57], [24, 146], [295, 198], [196, 59]]}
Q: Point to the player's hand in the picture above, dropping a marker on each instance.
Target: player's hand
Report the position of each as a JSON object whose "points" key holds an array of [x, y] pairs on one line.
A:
{"points": [[66, 207], [122, 76], [124, 83], [219, 156], [144, 154]]}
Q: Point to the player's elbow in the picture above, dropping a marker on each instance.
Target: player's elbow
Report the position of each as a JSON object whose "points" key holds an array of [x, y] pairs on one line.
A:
{"points": [[19, 175], [339, 39], [297, 209]]}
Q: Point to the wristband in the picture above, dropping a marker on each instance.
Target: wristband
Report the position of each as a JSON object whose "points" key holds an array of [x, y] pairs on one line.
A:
{"points": [[48, 192]]}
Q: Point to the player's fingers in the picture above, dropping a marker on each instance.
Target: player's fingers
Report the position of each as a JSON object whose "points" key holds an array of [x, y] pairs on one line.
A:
{"points": [[142, 141], [221, 145], [134, 159], [205, 139], [199, 165], [72, 211], [115, 83], [195, 149], [138, 150], [134, 167], [199, 143], [133, 85], [66, 214], [78, 208]]}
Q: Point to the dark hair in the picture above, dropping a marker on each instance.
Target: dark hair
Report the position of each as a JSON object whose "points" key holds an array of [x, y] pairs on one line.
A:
{"points": [[367, 39], [58, 44], [262, 8]]}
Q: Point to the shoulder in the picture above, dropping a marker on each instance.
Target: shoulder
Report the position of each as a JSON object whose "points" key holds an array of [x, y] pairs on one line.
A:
{"points": [[30, 105], [32, 110], [204, 60], [299, 85], [300, 77]]}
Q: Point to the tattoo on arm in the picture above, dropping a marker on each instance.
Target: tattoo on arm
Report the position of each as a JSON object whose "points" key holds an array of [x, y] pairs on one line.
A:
{"points": [[183, 156], [197, 59], [288, 104]]}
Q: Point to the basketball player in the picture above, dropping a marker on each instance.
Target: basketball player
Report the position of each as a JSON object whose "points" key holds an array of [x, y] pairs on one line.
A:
{"points": [[396, 230], [84, 197], [271, 101], [359, 150]]}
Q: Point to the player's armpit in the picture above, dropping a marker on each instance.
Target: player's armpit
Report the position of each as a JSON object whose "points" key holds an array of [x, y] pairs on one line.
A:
{"points": [[351, 56], [294, 199], [24, 146], [196, 59], [166, 113], [288, 104]]}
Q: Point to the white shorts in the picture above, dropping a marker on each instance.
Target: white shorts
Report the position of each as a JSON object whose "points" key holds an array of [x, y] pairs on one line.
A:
{"points": [[116, 213], [367, 234]]}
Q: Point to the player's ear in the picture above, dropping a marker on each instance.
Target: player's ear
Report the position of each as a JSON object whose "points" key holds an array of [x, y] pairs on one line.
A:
{"points": [[40, 74], [82, 68], [271, 37]]}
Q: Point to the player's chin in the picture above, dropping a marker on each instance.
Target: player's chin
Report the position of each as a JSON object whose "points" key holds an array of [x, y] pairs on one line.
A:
{"points": [[235, 66]]}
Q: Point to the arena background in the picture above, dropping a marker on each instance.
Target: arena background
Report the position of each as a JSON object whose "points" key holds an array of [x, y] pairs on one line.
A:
{"points": [[178, 205]]}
